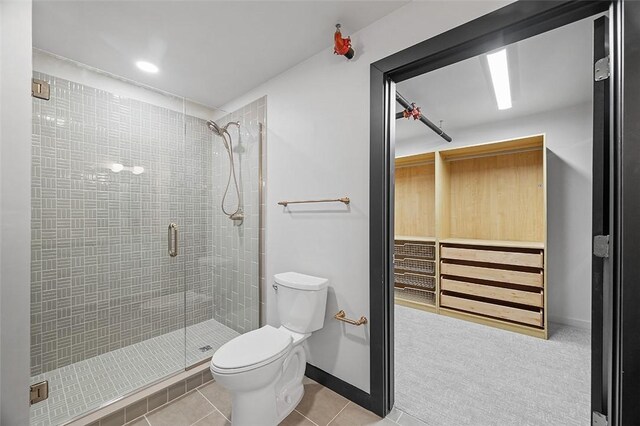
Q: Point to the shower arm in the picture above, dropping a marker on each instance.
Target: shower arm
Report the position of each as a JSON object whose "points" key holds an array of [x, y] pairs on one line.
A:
{"points": [[235, 123]]}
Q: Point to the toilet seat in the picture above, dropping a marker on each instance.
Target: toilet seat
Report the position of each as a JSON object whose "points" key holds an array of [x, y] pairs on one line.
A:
{"points": [[251, 350]]}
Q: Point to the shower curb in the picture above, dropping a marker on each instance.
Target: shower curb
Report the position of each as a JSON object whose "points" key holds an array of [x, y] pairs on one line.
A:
{"points": [[146, 400]]}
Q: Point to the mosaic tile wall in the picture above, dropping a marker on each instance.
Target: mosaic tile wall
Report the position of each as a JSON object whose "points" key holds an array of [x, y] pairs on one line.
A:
{"points": [[237, 248], [101, 276]]}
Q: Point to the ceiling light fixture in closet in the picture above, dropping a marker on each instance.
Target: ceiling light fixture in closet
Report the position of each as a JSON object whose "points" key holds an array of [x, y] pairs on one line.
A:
{"points": [[499, 68]]}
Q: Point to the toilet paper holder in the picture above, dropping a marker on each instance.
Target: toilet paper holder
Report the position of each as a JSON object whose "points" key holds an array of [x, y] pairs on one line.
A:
{"points": [[342, 316]]}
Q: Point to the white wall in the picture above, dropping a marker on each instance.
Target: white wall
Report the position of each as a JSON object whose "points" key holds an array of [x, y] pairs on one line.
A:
{"points": [[569, 181], [15, 205], [317, 147]]}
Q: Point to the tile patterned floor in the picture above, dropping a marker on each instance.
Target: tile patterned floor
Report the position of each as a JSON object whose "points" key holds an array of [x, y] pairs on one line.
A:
{"points": [[210, 404], [89, 384]]}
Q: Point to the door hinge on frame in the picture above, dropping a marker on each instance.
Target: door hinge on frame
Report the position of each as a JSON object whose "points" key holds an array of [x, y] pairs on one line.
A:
{"points": [[40, 89], [38, 392], [598, 419], [601, 246], [601, 69]]}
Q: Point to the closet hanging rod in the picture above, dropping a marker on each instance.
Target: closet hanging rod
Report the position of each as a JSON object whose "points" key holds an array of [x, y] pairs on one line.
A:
{"points": [[409, 107], [345, 200]]}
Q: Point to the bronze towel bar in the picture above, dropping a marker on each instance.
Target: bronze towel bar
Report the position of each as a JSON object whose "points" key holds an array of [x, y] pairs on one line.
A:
{"points": [[345, 200]]}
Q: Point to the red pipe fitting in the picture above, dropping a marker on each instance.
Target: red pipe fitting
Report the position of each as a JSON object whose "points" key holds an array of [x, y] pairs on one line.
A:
{"points": [[414, 113], [342, 46]]}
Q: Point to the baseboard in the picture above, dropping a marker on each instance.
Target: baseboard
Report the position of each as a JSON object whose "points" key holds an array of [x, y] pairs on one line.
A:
{"points": [[352, 393], [586, 325]]}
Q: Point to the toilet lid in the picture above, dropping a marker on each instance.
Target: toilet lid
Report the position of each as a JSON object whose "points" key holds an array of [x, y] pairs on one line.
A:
{"points": [[259, 346]]}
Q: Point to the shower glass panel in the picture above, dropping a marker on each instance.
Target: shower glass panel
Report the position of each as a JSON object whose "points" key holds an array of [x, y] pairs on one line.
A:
{"points": [[109, 167], [223, 255], [137, 272]]}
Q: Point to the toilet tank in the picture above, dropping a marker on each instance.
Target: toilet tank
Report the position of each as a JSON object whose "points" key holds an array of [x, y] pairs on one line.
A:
{"points": [[302, 301]]}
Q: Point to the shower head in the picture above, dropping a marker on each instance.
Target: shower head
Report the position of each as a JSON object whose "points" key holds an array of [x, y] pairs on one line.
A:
{"points": [[213, 126], [220, 130]]}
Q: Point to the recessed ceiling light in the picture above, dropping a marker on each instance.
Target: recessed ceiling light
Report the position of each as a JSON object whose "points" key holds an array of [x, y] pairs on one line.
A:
{"points": [[147, 66], [499, 68]]}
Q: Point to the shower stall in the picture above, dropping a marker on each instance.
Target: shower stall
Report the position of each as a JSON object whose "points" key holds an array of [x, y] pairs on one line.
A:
{"points": [[137, 272]]}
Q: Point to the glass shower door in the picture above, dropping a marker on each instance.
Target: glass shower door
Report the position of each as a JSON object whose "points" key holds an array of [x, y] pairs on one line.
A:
{"points": [[107, 299]]}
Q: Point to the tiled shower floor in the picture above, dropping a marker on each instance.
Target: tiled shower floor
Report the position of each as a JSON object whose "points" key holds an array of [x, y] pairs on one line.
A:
{"points": [[86, 385]]}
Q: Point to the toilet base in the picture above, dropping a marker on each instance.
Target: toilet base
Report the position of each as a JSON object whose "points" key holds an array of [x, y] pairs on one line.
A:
{"points": [[289, 389], [254, 408], [284, 409], [257, 407], [269, 405]]}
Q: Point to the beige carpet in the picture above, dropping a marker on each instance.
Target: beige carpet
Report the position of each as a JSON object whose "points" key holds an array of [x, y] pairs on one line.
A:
{"points": [[451, 372]]}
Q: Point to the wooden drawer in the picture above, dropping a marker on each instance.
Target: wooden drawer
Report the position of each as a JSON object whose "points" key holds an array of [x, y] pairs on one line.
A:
{"points": [[489, 309], [424, 250], [534, 260], [491, 292], [534, 279]]}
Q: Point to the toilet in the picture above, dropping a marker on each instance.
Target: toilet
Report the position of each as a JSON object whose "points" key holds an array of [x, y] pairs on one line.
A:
{"points": [[263, 369]]}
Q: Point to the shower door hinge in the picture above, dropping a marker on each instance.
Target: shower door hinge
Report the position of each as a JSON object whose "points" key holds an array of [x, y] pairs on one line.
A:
{"points": [[601, 246], [38, 392], [40, 89], [598, 419], [601, 69]]}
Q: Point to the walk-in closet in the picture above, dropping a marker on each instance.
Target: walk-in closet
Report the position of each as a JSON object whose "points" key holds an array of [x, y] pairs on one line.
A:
{"points": [[492, 229], [471, 232]]}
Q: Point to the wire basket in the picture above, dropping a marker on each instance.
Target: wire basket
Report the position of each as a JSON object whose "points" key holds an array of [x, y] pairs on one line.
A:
{"points": [[416, 265], [427, 251], [417, 280], [415, 295]]}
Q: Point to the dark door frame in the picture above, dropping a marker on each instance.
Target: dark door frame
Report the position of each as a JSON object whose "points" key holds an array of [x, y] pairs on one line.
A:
{"points": [[504, 26]]}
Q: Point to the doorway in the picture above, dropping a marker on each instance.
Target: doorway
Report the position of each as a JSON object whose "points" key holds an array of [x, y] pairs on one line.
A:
{"points": [[492, 276], [488, 34]]}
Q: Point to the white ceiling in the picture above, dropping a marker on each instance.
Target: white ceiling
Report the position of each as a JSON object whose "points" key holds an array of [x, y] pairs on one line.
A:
{"points": [[208, 51], [547, 72]]}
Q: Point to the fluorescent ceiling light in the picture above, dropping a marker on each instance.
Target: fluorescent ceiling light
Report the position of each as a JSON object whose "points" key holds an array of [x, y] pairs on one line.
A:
{"points": [[499, 68], [147, 66], [136, 170]]}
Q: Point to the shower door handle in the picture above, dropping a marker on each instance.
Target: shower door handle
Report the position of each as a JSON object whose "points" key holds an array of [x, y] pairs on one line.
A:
{"points": [[172, 237]]}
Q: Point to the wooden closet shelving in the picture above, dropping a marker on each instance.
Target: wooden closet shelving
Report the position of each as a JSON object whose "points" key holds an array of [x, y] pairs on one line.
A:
{"points": [[415, 250], [483, 210]]}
